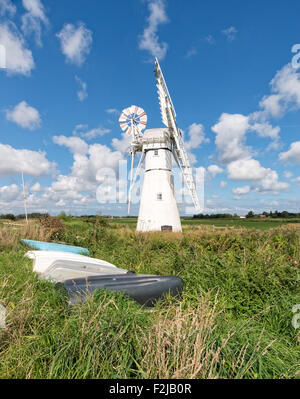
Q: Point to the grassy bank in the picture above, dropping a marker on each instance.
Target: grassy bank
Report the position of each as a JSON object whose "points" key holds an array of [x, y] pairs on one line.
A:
{"points": [[234, 320]]}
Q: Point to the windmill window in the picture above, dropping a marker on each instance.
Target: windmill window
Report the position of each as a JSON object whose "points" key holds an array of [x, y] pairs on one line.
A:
{"points": [[155, 152], [159, 197]]}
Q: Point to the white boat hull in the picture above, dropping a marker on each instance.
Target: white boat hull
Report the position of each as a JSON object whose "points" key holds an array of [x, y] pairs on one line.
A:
{"points": [[60, 266]]}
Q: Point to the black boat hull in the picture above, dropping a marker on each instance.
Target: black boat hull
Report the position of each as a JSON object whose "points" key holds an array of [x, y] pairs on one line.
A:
{"points": [[144, 289]]}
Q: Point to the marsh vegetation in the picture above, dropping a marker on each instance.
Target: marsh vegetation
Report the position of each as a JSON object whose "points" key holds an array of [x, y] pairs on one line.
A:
{"points": [[233, 321]]}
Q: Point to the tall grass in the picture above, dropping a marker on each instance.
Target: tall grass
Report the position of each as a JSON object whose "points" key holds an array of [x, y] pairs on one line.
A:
{"points": [[10, 235], [234, 319], [181, 344]]}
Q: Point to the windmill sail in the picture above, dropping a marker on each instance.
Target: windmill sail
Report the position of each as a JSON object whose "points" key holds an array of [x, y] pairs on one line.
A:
{"points": [[168, 116]]}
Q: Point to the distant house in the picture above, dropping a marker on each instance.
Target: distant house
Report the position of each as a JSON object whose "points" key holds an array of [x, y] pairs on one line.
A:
{"points": [[262, 216], [242, 217]]}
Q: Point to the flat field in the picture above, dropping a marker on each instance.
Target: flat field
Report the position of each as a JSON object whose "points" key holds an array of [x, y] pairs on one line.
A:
{"points": [[234, 319], [251, 223]]}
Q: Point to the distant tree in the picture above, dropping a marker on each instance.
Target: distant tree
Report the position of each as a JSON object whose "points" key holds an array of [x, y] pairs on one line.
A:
{"points": [[250, 215], [10, 216], [63, 216]]}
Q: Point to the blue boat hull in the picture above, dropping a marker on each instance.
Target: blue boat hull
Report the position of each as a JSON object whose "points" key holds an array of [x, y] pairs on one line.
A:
{"points": [[49, 246]]}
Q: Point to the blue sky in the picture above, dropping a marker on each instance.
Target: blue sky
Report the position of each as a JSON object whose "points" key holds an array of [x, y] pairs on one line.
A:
{"points": [[72, 66]]}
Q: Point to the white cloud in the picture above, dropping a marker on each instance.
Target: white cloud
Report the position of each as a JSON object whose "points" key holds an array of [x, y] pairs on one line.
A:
{"points": [[231, 129], [210, 203], [24, 115], [286, 88], [250, 169], [67, 183], [82, 92], [196, 137], [88, 159], [213, 170], [149, 40], [79, 128], [271, 104], [269, 203], [9, 193], [83, 131], [297, 179], [288, 174], [191, 52], [32, 163], [209, 39], [113, 111], [48, 200], [75, 144], [75, 42], [93, 133], [287, 84], [246, 169], [270, 182], [100, 156], [266, 130], [239, 198], [123, 144], [223, 184], [230, 136], [33, 18], [241, 190], [292, 155], [19, 59], [230, 33], [61, 202], [6, 6], [86, 173], [36, 188]]}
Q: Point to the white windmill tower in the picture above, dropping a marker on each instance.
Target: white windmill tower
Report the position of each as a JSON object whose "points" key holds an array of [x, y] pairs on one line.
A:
{"points": [[158, 206]]}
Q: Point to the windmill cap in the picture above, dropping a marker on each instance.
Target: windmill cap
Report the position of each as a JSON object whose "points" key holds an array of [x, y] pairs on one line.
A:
{"points": [[157, 133]]}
